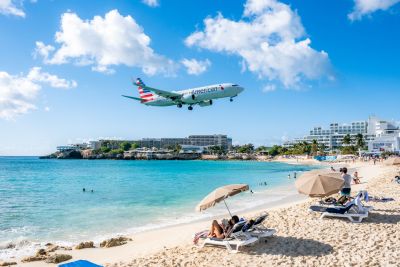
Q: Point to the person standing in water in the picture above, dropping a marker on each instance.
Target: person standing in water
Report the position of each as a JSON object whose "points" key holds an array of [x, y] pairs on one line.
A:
{"points": [[288, 176], [295, 175]]}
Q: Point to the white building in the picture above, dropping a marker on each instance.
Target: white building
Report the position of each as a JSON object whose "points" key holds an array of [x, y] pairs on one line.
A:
{"points": [[372, 129], [387, 137]]}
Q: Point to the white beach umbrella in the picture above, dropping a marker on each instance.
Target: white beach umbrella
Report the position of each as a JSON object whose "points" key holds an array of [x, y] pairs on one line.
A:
{"points": [[319, 183], [220, 194]]}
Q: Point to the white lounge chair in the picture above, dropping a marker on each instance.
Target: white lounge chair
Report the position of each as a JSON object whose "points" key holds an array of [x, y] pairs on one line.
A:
{"points": [[257, 229], [235, 239], [354, 211], [362, 195]]}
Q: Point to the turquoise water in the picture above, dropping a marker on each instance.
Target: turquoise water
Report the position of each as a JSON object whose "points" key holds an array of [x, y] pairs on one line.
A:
{"points": [[42, 200]]}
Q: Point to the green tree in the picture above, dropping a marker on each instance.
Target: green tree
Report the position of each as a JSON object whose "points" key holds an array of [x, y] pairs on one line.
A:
{"points": [[348, 150], [360, 142], [117, 151], [321, 148], [248, 148], [314, 147], [134, 146], [105, 149], [346, 139], [125, 146], [275, 150], [262, 149], [177, 148]]}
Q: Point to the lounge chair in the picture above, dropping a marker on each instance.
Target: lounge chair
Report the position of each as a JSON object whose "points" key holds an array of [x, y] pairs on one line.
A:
{"points": [[354, 211], [257, 229], [235, 239], [333, 203]]}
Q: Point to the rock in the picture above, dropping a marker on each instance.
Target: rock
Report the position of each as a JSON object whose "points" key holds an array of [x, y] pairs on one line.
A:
{"points": [[51, 248], [34, 258], [113, 242], [83, 245], [41, 252], [5, 263], [57, 258]]}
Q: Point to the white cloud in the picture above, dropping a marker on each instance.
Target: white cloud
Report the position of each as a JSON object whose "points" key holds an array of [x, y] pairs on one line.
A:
{"points": [[47, 109], [18, 92], [152, 3], [269, 38], [366, 7], [104, 42], [43, 51], [269, 88], [194, 66], [8, 7]]}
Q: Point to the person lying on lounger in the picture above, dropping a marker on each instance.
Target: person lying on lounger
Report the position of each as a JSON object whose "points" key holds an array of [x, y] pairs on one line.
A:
{"points": [[218, 230]]}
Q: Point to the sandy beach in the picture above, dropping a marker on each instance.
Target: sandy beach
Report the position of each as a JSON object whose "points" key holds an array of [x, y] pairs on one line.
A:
{"points": [[302, 239]]}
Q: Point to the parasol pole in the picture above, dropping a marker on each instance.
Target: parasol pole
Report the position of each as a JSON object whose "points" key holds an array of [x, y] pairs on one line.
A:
{"points": [[227, 208]]}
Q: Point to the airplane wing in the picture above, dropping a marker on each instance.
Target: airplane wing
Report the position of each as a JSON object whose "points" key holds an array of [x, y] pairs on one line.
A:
{"points": [[131, 97], [166, 94]]}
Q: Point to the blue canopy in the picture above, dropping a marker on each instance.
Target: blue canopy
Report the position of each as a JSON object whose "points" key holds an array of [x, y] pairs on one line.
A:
{"points": [[80, 263]]}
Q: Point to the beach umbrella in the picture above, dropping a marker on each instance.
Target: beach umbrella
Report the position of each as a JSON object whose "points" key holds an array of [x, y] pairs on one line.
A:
{"points": [[220, 194], [393, 161], [319, 183]]}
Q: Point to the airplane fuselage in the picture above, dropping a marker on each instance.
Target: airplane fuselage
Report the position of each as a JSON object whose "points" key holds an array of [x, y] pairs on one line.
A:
{"points": [[200, 95]]}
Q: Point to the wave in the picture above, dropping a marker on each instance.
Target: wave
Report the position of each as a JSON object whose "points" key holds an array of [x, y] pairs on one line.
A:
{"points": [[21, 245]]}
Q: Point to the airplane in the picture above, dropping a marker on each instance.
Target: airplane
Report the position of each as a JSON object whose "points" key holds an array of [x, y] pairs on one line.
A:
{"points": [[202, 96]]}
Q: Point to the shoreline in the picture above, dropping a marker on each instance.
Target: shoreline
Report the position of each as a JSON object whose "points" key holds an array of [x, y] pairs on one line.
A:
{"points": [[152, 242]]}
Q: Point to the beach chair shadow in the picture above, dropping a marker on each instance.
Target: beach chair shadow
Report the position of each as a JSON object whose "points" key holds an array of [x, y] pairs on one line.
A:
{"points": [[383, 218], [291, 246]]}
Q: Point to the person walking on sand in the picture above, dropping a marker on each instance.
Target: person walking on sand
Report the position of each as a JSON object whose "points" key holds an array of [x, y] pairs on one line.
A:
{"points": [[294, 175], [288, 176], [346, 189]]}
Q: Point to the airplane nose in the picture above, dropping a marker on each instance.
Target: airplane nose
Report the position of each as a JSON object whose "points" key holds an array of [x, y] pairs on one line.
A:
{"points": [[240, 89]]}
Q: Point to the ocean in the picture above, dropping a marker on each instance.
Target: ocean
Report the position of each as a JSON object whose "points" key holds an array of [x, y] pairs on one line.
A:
{"points": [[42, 200]]}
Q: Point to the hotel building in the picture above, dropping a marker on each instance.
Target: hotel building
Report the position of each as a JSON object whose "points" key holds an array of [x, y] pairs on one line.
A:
{"points": [[379, 135], [192, 141]]}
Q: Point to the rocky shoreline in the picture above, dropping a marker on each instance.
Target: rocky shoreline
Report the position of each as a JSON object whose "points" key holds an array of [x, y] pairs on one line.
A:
{"points": [[150, 155]]}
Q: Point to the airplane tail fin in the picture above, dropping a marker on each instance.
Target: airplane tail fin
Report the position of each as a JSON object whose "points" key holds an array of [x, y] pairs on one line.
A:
{"points": [[145, 94]]}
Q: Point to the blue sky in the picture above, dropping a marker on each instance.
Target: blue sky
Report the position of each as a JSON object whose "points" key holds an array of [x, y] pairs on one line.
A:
{"points": [[303, 63]]}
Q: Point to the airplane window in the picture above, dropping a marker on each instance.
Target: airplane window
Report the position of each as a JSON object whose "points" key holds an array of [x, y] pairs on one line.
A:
{"points": [[235, 85]]}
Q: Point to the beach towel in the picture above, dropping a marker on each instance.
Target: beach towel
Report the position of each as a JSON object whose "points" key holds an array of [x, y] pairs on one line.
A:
{"points": [[380, 199], [80, 263], [197, 236]]}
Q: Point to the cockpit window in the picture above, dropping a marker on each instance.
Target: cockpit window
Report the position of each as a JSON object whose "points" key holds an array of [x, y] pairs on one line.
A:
{"points": [[235, 85]]}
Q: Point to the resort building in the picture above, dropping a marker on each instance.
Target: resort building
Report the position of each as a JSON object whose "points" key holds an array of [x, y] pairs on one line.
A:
{"points": [[197, 142], [379, 135]]}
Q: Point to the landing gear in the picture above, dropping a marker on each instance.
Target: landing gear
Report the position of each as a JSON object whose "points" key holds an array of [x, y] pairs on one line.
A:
{"points": [[190, 108], [179, 105], [231, 99]]}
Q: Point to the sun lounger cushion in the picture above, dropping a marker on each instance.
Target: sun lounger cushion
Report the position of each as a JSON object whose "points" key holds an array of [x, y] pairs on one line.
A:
{"points": [[340, 210]]}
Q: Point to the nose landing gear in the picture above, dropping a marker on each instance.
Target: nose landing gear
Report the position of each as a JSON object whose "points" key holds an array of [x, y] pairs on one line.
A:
{"points": [[179, 105], [190, 108]]}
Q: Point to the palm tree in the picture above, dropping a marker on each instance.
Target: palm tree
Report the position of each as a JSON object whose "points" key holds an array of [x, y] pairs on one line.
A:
{"points": [[360, 142], [346, 139], [314, 147], [322, 148]]}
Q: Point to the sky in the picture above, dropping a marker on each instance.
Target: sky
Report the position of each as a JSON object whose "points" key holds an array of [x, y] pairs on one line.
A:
{"points": [[303, 63]]}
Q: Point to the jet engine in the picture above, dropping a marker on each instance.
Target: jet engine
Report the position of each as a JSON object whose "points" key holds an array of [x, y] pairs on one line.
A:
{"points": [[206, 103], [189, 99]]}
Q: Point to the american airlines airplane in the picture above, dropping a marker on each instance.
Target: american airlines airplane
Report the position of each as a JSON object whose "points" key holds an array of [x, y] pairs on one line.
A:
{"points": [[202, 96]]}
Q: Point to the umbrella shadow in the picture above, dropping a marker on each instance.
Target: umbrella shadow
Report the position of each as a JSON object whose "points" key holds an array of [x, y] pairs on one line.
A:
{"points": [[291, 246]]}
